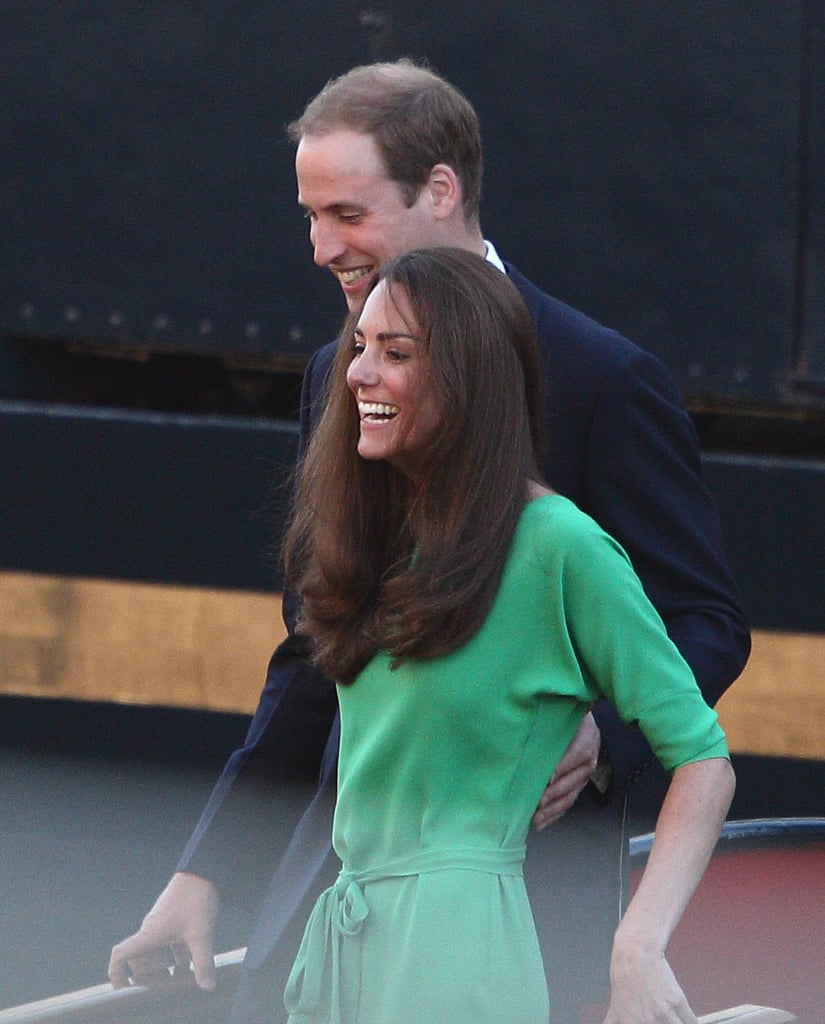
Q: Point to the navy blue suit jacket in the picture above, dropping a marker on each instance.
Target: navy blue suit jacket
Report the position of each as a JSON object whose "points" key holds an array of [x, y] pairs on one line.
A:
{"points": [[620, 444]]}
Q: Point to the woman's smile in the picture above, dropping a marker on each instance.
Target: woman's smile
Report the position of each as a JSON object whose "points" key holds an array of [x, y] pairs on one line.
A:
{"points": [[389, 375]]}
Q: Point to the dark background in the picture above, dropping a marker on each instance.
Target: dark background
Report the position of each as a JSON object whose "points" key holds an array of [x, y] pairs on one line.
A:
{"points": [[658, 165]]}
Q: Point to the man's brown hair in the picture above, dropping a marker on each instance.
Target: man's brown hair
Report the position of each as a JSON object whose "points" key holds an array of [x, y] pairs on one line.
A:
{"points": [[417, 119]]}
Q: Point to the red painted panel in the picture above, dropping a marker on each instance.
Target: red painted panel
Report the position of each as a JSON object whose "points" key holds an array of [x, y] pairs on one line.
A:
{"points": [[754, 933]]}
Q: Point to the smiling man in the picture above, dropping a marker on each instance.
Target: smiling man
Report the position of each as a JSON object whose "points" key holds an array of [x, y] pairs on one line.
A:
{"points": [[388, 159], [359, 218]]}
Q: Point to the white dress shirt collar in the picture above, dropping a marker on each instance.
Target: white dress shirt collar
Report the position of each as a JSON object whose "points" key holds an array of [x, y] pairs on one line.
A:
{"points": [[493, 257]]}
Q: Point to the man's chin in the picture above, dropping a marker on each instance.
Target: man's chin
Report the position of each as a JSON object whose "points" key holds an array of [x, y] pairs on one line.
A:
{"points": [[354, 297]]}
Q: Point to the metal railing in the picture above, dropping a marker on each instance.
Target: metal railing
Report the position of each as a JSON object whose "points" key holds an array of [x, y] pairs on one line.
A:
{"points": [[752, 832], [181, 1002]]}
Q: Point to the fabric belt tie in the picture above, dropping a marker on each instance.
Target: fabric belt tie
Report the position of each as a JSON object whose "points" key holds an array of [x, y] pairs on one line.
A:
{"points": [[341, 911]]}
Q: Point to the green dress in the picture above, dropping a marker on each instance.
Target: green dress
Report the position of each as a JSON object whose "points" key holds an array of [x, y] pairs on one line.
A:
{"points": [[442, 764]]}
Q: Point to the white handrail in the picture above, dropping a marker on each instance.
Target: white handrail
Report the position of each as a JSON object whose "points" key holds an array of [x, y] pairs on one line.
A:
{"points": [[104, 1003]]}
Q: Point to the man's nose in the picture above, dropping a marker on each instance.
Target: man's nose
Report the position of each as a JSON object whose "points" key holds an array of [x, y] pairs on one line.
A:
{"points": [[326, 243]]}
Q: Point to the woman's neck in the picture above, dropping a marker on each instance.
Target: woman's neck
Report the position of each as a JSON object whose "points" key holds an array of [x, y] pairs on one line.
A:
{"points": [[536, 490]]}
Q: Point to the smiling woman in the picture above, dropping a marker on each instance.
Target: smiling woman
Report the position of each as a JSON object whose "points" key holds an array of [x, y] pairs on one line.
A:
{"points": [[440, 348], [470, 617], [389, 375]]}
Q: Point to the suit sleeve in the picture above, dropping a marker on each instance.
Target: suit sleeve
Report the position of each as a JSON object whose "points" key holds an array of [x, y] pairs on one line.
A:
{"points": [[250, 813], [645, 487]]}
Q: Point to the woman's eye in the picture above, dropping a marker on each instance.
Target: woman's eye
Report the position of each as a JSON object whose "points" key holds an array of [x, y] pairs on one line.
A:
{"points": [[396, 356], [357, 348]]}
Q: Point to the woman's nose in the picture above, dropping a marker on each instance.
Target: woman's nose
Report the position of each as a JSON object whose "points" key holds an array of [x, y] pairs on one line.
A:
{"points": [[363, 371]]}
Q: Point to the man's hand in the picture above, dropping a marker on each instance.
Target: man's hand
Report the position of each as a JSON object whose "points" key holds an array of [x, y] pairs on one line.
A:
{"points": [[181, 923], [572, 774]]}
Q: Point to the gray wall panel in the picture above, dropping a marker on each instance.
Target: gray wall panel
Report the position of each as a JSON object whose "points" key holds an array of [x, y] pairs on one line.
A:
{"points": [[642, 163]]}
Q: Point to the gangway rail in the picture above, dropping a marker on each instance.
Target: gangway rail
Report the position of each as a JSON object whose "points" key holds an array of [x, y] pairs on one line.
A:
{"points": [[116, 1006], [180, 1001], [748, 832]]}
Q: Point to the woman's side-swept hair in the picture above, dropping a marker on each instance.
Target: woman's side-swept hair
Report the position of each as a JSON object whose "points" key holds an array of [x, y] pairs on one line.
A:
{"points": [[417, 119], [384, 562]]}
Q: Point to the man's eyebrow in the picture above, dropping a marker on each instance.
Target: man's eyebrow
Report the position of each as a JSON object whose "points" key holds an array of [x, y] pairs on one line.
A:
{"points": [[334, 207]]}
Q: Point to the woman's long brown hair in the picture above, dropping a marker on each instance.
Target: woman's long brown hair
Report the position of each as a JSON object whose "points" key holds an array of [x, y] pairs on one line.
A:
{"points": [[412, 567]]}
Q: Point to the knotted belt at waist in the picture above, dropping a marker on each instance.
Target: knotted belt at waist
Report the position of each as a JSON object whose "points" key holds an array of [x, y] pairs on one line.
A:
{"points": [[342, 909]]}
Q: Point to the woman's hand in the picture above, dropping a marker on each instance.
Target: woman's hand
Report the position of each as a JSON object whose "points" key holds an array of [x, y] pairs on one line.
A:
{"points": [[644, 989]]}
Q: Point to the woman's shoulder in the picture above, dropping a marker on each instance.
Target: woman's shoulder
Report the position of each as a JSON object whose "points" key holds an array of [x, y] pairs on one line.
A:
{"points": [[560, 530], [552, 510]]}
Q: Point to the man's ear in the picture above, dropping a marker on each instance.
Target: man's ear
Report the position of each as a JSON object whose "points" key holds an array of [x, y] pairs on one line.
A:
{"points": [[444, 190]]}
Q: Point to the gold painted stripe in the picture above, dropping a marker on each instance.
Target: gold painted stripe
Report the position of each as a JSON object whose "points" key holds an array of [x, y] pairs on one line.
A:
{"points": [[135, 642], [196, 647], [777, 706]]}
